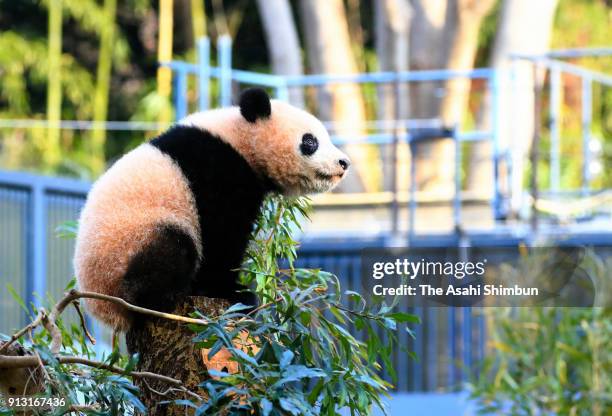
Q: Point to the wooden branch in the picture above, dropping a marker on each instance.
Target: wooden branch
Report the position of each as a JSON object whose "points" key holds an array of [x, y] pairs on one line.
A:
{"points": [[184, 374], [81, 409], [56, 335], [41, 365], [7, 361], [77, 306], [75, 294], [25, 381], [170, 390], [167, 347], [37, 321], [72, 297]]}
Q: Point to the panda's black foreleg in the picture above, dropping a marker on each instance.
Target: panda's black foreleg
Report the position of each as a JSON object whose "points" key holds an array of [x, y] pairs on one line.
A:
{"points": [[163, 271], [221, 283], [244, 296]]}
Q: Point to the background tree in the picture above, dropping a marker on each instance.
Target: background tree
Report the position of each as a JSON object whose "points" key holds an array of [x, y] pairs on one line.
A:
{"points": [[198, 19], [103, 76], [392, 36], [447, 37], [329, 50], [282, 42], [164, 54], [516, 98], [428, 50], [49, 146]]}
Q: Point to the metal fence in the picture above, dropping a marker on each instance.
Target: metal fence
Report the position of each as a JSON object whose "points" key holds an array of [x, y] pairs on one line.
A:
{"points": [[37, 264], [588, 79], [409, 131], [32, 259], [449, 343], [507, 179]]}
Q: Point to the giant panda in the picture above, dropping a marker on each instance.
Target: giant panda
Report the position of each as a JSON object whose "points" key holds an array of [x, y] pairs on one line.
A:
{"points": [[173, 216]]}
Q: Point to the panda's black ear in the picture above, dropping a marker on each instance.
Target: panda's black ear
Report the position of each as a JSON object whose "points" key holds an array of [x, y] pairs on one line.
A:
{"points": [[255, 104]]}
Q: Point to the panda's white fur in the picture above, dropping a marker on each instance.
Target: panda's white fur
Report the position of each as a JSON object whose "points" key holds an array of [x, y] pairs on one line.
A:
{"points": [[142, 189], [156, 188]]}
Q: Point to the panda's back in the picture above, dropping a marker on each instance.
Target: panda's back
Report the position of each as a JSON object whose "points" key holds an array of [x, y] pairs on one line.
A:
{"points": [[141, 195]]}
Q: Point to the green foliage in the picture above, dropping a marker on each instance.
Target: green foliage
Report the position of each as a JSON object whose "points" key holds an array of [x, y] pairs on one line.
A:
{"points": [[548, 361], [300, 358], [486, 36], [582, 24], [67, 229], [98, 391], [25, 75]]}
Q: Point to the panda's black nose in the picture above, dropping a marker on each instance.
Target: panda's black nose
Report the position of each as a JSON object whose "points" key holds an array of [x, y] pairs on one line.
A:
{"points": [[344, 164]]}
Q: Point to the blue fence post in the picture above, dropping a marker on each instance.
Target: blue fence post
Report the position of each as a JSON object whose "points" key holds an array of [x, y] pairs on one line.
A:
{"points": [[225, 67], [457, 196], [37, 232], [587, 110], [482, 334], [452, 347], [412, 207], [494, 86], [467, 343], [419, 348], [555, 109], [282, 92], [203, 73], [180, 93], [432, 342]]}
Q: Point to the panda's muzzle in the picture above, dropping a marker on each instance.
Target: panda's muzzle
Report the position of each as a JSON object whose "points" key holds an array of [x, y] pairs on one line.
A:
{"points": [[329, 177], [324, 176], [344, 164]]}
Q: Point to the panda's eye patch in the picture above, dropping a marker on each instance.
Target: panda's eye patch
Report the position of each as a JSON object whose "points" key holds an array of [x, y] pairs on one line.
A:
{"points": [[309, 145]]}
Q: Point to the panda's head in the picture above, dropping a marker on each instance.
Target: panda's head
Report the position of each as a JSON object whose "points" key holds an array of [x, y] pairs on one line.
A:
{"points": [[289, 145]]}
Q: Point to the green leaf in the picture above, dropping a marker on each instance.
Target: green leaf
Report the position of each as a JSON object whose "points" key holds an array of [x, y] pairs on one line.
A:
{"points": [[404, 317], [364, 378], [237, 307], [183, 402], [286, 358], [244, 356], [17, 298], [289, 406], [297, 373], [266, 406], [67, 229], [71, 284], [215, 349]]}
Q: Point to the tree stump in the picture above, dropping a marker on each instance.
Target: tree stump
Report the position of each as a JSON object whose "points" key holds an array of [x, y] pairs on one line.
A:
{"points": [[166, 347], [20, 382]]}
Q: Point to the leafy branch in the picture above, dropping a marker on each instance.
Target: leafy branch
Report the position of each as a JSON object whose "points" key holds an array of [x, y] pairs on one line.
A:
{"points": [[295, 353]]}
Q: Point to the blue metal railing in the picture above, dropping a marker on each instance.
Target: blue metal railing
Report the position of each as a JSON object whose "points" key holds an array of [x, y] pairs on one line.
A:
{"points": [[32, 259], [39, 189], [550, 62], [226, 76], [43, 267]]}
